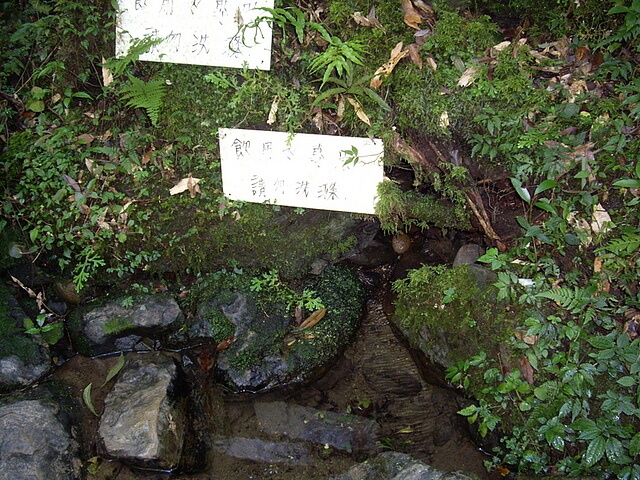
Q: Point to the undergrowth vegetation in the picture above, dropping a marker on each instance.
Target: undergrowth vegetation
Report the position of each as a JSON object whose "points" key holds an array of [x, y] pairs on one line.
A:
{"points": [[92, 145]]}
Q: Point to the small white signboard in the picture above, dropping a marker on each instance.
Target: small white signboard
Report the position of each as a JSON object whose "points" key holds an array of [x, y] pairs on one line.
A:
{"points": [[197, 32], [301, 170]]}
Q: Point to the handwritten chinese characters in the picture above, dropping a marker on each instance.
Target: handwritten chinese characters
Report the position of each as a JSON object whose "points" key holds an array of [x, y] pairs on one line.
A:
{"points": [[198, 32], [301, 170]]}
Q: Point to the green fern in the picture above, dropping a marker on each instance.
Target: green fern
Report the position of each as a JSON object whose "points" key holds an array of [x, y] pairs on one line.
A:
{"points": [[626, 245], [147, 95], [573, 300]]}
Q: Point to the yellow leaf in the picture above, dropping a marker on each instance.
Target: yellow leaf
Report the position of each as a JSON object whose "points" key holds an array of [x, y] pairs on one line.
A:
{"points": [[469, 76], [107, 76], [314, 318], [190, 183], [385, 70], [273, 111], [359, 112]]}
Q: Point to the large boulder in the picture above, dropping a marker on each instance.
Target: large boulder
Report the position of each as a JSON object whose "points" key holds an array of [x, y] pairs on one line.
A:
{"points": [[447, 314], [144, 416], [121, 323], [36, 442], [262, 347], [24, 358]]}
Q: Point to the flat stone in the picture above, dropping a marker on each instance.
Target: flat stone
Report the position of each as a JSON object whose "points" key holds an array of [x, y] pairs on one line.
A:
{"points": [[144, 418], [341, 431], [264, 451]]}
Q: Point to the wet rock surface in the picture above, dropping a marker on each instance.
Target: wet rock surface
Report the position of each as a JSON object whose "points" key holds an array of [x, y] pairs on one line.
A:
{"points": [[144, 416], [36, 443], [24, 358], [345, 432], [120, 324], [259, 450], [399, 466]]}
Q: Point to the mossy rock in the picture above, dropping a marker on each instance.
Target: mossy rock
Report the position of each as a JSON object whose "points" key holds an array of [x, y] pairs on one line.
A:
{"points": [[269, 351], [23, 358], [451, 314]]}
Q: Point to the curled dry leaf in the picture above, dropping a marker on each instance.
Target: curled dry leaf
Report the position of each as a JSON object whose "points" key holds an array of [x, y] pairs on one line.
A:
{"points": [[469, 76], [190, 183], [431, 63], [313, 319], [411, 16], [359, 111], [414, 54], [526, 370], [370, 20], [273, 111], [385, 70], [107, 76], [601, 220]]}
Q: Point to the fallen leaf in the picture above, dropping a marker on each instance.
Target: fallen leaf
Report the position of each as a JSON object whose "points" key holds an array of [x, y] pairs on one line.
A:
{"points": [[469, 76], [107, 76], [370, 20], [432, 63], [147, 156], [85, 138], [426, 12], [313, 319], [115, 369], [420, 37], [444, 120], [414, 54], [600, 220], [86, 396], [190, 183], [273, 111], [526, 370], [411, 16], [385, 70], [359, 111], [224, 344]]}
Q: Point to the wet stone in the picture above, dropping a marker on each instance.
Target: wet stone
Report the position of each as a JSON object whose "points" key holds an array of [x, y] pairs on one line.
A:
{"points": [[399, 466], [144, 415], [24, 358], [35, 443], [264, 451], [341, 431], [119, 324]]}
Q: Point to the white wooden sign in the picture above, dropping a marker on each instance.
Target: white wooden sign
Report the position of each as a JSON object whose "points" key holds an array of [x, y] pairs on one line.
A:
{"points": [[301, 170], [197, 32]]}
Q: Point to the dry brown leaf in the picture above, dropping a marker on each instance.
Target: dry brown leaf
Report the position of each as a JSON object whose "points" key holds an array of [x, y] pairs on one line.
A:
{"points": [[411, 16], [85, 138], [414, 54], [370, 20], [359, 111], [526, 370], [385, 70], [431, 63], [107, 76], [190, 183], [147, 156], [273, 111], [426, 12], [469, 76], [314, 318]]}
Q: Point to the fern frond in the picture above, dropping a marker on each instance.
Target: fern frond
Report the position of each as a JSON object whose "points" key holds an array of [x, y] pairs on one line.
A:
{"points": [[624, 245], [147, 95], [574, 300]]}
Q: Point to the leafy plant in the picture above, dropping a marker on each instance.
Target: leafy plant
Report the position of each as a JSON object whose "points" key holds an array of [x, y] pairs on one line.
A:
{"points": [[272, 288], [147, 95]]}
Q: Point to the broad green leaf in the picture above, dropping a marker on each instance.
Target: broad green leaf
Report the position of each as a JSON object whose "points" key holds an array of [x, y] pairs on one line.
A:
{"points": [[615, 450], [627, 183], [470, 410], [545, 204], [520, 190], [86, 396], [595, 451], [627, 381], [634, 445], [545, 185], [115, 369], [601, 342]]}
